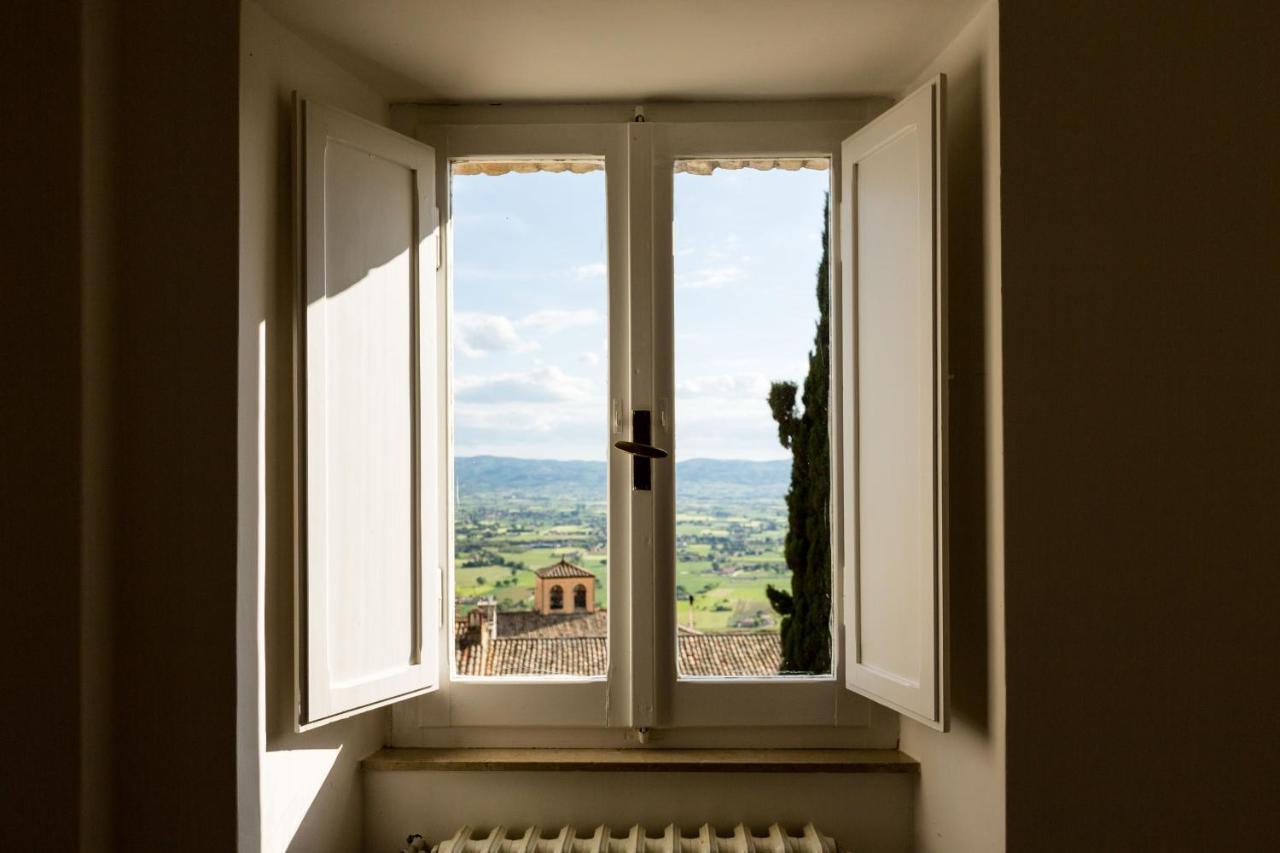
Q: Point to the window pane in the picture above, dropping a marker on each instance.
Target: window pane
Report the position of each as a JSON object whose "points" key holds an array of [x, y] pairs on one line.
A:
{"points": [[530, 385], [753, 568]]}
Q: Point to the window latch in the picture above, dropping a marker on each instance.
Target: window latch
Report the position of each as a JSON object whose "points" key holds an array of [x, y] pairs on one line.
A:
{"points": [[642, 451]]}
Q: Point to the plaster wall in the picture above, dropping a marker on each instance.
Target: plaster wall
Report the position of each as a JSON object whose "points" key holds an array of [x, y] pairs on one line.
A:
{"points": [[1140, 199], [960, 800], [118, 503], [298, 791], [40, 408]]}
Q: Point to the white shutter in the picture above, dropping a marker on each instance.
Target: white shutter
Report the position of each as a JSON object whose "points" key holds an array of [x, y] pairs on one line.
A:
{"points": [[370, 404], [893, 422]]}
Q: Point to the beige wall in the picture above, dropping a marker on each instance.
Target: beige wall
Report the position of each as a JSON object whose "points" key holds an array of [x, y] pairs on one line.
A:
{"points": [[118, 493], [173, 424], [40, 407], [960, 799], [1141, 202], [305, 787]]}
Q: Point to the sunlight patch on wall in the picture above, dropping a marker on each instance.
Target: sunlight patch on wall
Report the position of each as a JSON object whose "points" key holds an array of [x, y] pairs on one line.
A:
{"points": [[291, 781]]}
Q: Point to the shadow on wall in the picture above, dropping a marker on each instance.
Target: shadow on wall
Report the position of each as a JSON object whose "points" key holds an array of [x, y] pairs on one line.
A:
{"points": [[970, 490]]}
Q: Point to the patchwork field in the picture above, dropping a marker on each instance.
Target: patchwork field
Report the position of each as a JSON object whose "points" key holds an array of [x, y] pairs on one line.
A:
{"points": [[729, 543]]}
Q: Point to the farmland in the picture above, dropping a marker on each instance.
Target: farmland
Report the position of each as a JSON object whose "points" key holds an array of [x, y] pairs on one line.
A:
{"points": [[515, 516]]}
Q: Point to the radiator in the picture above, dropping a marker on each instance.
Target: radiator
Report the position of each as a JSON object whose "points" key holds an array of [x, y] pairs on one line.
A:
{"points": [[602, 840]]}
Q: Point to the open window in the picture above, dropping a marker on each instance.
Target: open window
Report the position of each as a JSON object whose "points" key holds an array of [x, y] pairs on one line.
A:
{"points": [[466, 420]]}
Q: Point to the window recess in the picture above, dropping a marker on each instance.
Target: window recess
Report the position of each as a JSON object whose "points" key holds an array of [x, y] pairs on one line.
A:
{"points": [[625, 550]]}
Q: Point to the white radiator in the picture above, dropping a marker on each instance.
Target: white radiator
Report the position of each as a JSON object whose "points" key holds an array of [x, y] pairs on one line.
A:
{"points": [[602, 840]]}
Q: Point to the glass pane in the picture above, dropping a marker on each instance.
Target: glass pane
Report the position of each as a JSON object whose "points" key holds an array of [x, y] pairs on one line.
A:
{"points": [[530, 388], [753, 568]]}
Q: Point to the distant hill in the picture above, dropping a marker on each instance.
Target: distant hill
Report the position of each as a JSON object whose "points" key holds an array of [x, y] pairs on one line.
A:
{"points": [[479, 476]]}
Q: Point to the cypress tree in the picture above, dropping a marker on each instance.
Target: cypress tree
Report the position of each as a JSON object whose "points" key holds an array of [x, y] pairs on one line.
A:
{"points": [[806, 609]]}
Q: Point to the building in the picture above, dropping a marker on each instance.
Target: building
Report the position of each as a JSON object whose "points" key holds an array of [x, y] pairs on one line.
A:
{"points": [[1113, 455], [563, 587], [565, 634]]}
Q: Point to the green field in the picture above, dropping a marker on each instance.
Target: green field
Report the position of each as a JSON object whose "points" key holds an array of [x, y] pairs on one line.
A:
{"points": [[727, 552]]}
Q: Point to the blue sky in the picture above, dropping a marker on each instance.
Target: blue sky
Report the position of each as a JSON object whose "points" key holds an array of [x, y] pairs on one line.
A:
{"points": [[530, 309]]}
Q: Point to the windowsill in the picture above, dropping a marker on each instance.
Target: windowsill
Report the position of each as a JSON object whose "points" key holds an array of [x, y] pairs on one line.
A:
{"points": [[645, 760]]}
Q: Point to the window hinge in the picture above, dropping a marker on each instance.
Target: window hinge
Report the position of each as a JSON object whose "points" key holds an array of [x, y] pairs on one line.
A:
{"points": [[439, 238], [443, 590]]}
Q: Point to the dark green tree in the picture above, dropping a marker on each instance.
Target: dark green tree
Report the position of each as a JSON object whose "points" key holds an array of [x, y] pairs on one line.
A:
{"points": [[806, 609]]}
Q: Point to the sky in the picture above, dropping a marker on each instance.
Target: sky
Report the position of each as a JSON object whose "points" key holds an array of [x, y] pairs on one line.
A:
{"points": [[531, 307]]}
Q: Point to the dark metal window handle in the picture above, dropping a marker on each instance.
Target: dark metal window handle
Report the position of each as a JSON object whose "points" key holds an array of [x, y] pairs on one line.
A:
{"points": [[648, 451], [642, 452]]}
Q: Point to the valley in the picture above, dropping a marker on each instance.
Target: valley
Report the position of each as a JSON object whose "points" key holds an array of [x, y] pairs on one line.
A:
{"points": [[515, 516]]}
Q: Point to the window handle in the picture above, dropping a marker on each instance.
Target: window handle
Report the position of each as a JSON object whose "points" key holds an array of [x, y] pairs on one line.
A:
{"points": [[648, 451], [642, 452]]}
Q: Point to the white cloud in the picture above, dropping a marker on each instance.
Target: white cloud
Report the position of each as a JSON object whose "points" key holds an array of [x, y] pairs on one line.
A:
{"points": [[475, 334], [726, 386], [575, 429], [542, 384], [711, 277], [588, 358], [530, 418], [551, 321], [583, 272]]}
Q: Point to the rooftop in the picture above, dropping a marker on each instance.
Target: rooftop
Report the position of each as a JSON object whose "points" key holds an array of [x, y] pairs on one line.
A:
{"points": [[531, 624], [563, 569], [576, 644]]}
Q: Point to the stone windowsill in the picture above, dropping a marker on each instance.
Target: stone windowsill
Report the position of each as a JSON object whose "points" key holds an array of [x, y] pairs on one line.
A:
{"points": [[646, 760]]}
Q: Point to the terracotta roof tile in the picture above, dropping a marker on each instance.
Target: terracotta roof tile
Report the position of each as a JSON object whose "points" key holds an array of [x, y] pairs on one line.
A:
{"points": [[732, 653], [530, 623], [575, 644], [563, 569], [547, 656]]}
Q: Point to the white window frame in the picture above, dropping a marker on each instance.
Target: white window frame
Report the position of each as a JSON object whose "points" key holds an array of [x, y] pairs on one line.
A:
{"points": [[540, 701], [801, 700], [641, 690]]}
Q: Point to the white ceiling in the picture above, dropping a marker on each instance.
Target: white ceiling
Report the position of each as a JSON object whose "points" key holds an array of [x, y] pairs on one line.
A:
{"points": [[629, 50]]}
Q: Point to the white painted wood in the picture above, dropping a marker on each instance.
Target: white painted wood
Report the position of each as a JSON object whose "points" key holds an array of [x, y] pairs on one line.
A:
{"points": [[640, 688], [893, 413], [536, 701], [648, 651], [706, 702], [369, 439]]}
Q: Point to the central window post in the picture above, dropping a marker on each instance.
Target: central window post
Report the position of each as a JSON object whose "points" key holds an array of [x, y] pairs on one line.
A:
{"points": [[646, 603]]}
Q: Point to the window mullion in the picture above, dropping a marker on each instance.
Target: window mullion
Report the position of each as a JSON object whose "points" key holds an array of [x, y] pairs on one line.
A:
{"points": [[644, 604]]}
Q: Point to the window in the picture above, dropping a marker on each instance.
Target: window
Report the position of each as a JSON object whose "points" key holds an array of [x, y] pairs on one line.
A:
{"points": [[753, 578], [597, 240], [530, 400]]}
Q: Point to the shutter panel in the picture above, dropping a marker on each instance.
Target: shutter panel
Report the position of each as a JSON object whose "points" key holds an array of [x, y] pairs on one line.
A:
{"points": [[370, 404], [893, 421]]}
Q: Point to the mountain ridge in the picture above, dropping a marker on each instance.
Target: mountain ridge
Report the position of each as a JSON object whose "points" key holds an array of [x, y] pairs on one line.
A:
{"points": [[700, 477]]}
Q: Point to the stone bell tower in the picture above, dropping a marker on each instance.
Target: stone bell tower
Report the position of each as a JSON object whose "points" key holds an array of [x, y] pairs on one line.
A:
{"points": [[564, 588]]}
